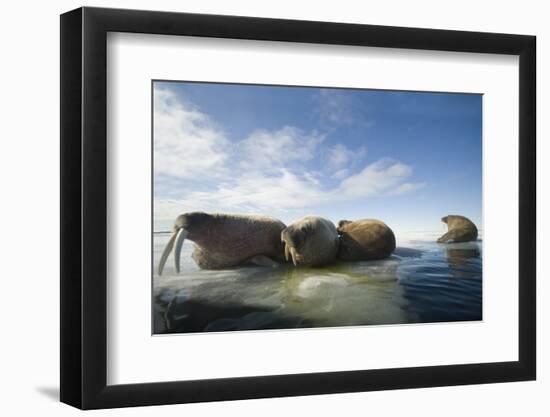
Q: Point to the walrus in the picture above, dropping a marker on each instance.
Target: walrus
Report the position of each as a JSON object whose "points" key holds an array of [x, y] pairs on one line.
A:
{"points": [[461, 229], [365, 240], [311, 241], [226, 240]]}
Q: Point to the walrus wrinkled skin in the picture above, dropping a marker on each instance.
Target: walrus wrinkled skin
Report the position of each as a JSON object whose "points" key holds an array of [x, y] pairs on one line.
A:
{"points": [[226, 240], [461, 229], [311, 241], [365, 240]]}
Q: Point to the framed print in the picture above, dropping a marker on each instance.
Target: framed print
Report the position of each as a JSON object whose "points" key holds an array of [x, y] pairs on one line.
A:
{"points": [[259, 207]]}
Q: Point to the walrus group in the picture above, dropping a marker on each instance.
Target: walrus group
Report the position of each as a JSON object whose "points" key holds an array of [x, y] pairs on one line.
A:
{"points": [[229, 240]]}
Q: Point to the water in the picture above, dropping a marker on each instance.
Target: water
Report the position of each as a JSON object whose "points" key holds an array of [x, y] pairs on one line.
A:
{"points": [[423, 282]]}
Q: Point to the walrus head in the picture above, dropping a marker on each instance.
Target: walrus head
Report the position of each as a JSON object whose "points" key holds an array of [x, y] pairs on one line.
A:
{"points": [[186, 226], [460, 229], [311, 241], [293, 238]]}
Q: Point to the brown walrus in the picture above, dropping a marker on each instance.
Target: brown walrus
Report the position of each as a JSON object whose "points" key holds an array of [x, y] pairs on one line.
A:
{"points": [[226, 240], [461, 229], [365, 240], [311, 241]]}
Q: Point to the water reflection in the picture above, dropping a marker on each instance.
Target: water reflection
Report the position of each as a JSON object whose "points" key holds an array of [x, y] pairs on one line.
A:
{"points": [[417, 284], [462, 258], [347, 294]]}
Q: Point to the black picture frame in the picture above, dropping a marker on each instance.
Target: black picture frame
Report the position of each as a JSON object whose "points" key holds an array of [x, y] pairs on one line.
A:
{"points": [[84, 207]]}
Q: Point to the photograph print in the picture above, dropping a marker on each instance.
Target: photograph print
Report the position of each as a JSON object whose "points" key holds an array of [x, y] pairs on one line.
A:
{"points": [[285, 207]]}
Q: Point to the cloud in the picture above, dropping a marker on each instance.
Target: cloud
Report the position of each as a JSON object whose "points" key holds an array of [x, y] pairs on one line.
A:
{"points": [[275, 150], [198, 168], [287, 190], [335, 107], [375, 178], [407, 187], [282, 191], [187, 143], [341, 174], [340, 156]]}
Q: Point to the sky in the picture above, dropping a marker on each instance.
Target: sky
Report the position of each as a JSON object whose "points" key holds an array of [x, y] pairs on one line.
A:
{"points": [[406, 158]]}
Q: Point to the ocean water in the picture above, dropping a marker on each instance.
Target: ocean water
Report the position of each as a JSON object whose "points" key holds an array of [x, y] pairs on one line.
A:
{"points": [[422, 282]]}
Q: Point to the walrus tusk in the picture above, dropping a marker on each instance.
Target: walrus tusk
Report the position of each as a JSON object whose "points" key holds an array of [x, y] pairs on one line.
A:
{"points": [[287, 252], [182, 234], [166, 252], [293, 254]]}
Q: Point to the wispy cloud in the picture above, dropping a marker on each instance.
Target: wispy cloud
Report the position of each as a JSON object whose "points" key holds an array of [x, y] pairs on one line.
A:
{"points": [[341, 174], [375, 178], [336, 107], [287, 146], [187, 142], [340, 156], [267, 171], [407, 188], [282, 191], [288, 190]]}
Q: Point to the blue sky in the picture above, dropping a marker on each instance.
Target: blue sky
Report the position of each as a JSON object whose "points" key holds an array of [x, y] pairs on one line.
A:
{"points": [[406, 158]]}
